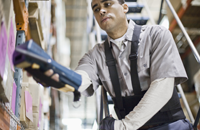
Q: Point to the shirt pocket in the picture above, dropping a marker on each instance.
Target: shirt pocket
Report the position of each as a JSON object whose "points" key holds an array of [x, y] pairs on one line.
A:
{"points": [[143, 63]]}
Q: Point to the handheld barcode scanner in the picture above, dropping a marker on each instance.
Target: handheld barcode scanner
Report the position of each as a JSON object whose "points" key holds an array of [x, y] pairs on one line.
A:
{"points": [[33, 59]]}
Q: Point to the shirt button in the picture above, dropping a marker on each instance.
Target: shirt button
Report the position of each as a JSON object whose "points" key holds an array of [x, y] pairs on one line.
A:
{"points": [[125, 74]]}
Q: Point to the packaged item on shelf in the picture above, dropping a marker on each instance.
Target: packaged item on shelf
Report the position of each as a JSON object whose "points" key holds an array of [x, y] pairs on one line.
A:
{"points": [[37, 122], [7, 12], [1, 13], [35, 23], [46, 100], [23, 118], [37, 92], [7, 46], [45, 6], [11, 42], [7, 83], [34, 125], [3, 48], [28, 79]]}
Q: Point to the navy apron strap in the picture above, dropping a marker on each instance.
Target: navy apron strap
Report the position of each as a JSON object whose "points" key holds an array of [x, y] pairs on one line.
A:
{"points": [[133, 60], [111, 63]]}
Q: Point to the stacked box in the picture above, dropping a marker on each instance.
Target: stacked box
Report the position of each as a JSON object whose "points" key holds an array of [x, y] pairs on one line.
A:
{"points": [[4, 119], [8, 12], [3, 71], [28, 79], [36, 92], [45, 6], [7, 83], [23, 119], [7, 47], [46, 100], [1, 12]]}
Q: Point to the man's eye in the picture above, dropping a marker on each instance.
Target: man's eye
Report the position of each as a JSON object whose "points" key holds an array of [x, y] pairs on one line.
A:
{"points": [[107, 4], [96, 10]]}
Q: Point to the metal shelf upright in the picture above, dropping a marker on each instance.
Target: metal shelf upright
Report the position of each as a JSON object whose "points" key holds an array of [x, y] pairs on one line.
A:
{"points": [[21, 19]]}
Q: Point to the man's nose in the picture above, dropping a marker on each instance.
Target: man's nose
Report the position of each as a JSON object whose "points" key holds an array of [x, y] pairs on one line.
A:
{"points": [[102, 11]]}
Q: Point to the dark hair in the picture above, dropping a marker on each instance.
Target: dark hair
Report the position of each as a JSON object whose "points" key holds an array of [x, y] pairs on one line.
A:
{"points": [[121, 1]]}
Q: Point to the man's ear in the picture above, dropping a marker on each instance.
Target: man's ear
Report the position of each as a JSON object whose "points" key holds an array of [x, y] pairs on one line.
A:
{"points": [[125, 7]]}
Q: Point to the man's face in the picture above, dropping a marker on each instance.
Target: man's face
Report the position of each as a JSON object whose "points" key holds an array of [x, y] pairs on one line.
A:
{"points": [[109, 14]]}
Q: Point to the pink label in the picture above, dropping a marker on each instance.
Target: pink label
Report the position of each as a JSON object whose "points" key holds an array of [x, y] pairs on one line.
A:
{"points": [[14, 97], [28, 102], [11, 45], [3, 47]]}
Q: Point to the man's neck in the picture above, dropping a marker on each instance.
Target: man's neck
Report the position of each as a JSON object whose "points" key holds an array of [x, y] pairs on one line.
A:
{"points": [[118, 32]]}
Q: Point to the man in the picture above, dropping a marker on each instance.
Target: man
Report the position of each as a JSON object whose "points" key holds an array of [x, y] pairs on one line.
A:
{"points": [[158, 69]]}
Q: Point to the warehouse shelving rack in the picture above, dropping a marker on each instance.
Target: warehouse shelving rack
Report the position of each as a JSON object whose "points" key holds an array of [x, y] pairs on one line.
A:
{"points": [[25, 32]]}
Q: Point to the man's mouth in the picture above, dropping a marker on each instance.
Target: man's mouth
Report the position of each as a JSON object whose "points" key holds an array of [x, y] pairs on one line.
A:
{"points": [[105, 19]]}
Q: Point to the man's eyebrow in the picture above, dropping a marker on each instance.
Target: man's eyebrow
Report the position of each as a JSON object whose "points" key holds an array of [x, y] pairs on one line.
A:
{"points": [[104, 1], [101, 2], [94, 6]]}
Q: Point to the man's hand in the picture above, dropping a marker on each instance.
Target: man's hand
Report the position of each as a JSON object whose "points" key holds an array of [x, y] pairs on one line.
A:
{"points": [[47, 73], [107, 123]]}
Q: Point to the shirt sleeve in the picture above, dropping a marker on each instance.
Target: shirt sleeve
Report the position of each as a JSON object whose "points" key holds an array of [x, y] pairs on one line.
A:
{"points": [[88, 65], [86, 81], [164, 57], [155, 98]]}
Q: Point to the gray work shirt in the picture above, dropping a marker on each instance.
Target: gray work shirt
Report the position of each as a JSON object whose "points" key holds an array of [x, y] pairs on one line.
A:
{"points": [[158, 57]]}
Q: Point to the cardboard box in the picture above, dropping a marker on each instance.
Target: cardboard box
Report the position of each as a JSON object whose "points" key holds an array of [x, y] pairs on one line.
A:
{"points": [[36, 92], [8, 13], [7, 83], [27, 79], [23, 119], [1, 12], [4, 119]]}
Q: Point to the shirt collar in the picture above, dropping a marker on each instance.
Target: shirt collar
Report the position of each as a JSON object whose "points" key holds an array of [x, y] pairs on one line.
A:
{"points": [[127, 36]]}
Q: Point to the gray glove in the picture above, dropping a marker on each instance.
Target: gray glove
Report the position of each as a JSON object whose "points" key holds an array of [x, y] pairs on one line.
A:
{"points": [[107, 123]]}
